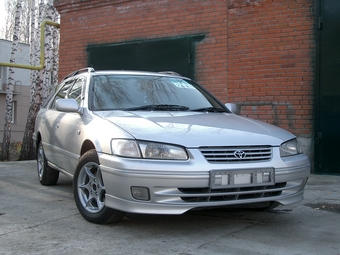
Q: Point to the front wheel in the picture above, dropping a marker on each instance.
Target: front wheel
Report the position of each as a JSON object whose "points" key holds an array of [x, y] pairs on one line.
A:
{"points": [[89, 191]]}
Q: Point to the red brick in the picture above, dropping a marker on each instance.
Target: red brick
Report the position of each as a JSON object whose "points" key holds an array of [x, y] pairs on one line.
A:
{"points": [[254, 51]]}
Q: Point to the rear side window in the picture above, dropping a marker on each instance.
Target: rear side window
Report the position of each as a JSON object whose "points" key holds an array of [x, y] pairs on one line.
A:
{"points": [[62, 92], [75, 91]]}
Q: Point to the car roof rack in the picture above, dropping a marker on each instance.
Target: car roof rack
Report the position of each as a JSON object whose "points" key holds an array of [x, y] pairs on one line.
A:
{"points": [[170, 72], [83, 70]]}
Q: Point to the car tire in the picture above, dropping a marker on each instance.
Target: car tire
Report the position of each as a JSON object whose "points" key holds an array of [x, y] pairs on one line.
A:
{"points": [[47, 175], [89, 191]]}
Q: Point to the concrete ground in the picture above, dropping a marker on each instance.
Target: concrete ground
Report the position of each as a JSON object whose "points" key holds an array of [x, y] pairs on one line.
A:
{"points": [[44, 220]]}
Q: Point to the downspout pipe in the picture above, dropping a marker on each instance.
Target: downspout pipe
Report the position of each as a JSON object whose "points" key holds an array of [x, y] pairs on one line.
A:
{"points": [[42, 44]]}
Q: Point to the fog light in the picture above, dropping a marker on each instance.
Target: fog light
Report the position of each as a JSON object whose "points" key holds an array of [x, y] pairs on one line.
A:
{"points": [[140, 193]]}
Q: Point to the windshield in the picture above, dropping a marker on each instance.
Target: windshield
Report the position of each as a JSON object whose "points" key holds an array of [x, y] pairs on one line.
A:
{"points": [[127, 92]]}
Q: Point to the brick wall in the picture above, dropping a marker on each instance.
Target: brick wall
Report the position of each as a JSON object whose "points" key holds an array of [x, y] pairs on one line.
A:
{"points": [[271, 61], [100, 21], [256, 53]]}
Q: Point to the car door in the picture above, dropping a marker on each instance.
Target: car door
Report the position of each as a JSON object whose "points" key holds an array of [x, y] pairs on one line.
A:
{"points": [[69, 130], [50, 122]]}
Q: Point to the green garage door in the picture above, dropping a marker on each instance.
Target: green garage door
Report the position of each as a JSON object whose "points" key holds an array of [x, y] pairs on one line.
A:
{"points": [[328, 88], [169, 54]]}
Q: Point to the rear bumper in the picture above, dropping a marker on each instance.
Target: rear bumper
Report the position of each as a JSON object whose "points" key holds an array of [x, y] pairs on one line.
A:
{"points": [[176, 188]]}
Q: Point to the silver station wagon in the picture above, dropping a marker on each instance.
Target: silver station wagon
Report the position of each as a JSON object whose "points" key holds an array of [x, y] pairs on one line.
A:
{"points": [[159, 143]]}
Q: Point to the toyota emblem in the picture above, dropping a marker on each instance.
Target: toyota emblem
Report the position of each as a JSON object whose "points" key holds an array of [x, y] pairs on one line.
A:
{"points": [[239, 154]]}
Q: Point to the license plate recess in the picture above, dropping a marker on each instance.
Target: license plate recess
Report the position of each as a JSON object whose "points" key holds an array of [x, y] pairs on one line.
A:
{"points": [[241, 178]]}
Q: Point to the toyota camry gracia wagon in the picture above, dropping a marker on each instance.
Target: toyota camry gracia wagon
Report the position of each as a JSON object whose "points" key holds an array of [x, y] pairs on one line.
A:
{"points": [[159, 143]]}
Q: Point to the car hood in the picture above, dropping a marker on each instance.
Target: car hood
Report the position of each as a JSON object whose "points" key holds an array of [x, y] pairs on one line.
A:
{"points": [[194, 129]]}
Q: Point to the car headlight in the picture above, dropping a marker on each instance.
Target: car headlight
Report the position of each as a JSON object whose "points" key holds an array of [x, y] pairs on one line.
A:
{"points": [[290, 148], [125, 148], [149, 150]]}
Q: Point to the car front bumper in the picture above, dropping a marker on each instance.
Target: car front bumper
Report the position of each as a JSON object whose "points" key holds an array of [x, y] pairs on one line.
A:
{"points": [[176, 187]]}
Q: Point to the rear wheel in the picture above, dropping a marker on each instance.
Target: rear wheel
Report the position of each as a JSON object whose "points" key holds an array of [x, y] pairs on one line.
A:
{"points": [[47, 175], [89, 191]]}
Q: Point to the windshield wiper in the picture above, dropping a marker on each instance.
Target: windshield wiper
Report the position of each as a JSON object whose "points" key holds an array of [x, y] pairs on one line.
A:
{"points": [[159, 107], [209, 109]]}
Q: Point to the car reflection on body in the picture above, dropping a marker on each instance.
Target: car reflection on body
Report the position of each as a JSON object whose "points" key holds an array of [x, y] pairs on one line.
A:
{"points": [[158, 143]]}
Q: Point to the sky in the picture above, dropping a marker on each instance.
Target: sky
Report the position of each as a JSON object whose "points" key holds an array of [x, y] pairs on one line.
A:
{"points": [[2, 13]]}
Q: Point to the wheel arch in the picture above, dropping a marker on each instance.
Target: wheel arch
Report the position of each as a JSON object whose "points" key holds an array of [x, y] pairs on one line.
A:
{"points": [[87, 145], [37, 141]]}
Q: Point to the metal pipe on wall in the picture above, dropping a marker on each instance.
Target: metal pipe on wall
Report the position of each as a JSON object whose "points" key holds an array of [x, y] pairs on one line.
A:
{"points": [[42, 43]]}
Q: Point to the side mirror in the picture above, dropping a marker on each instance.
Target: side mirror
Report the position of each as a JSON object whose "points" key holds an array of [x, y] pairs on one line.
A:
{"points": [[67, 105], [232, 107]]}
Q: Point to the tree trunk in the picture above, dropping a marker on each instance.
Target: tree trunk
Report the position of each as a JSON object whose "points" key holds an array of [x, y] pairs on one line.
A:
{"points": [[9, 90], [42, 81], [9, 105], [33, 50], [27, 148]]}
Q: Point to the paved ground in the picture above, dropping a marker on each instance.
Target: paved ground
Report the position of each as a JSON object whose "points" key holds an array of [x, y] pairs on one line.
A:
{"points": [[44, 220]]}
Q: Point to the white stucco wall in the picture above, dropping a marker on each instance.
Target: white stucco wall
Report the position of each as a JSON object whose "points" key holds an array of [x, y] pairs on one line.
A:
{"points": [[21, 96], [22, 56]]}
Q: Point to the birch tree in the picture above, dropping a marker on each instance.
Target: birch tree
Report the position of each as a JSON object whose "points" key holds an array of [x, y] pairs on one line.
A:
{"points": [[8, 30], [45, 79], [34, 49], [32, 14], [35, 89], [9, 89]]}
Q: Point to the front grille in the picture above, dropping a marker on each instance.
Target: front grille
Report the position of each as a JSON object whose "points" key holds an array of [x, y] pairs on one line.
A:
{"points": [[229, 194], [236, 154]]}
